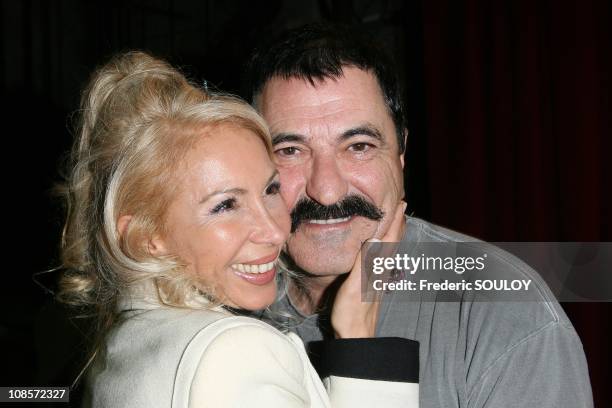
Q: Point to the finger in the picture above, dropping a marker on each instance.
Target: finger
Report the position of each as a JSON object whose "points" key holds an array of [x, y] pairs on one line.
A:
{"points": [[383, 227], [395, 231], [353, 281], [372, 248], [394, 234], [353, 285]]}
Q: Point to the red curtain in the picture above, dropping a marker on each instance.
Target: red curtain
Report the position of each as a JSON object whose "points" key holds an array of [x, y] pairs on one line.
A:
{"points": [[518, 131]]}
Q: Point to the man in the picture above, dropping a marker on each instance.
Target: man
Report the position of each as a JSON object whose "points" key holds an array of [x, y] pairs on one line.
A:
{"points": [[333, 105]]}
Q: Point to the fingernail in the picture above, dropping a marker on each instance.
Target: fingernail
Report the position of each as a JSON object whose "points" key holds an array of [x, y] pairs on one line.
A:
{"points": [[373, 240]]}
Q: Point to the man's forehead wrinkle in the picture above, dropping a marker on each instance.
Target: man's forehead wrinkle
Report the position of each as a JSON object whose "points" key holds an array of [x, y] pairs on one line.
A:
{"points": [[318, 121], [318, 106], [317, 109], [317, 94], [317, 98]]}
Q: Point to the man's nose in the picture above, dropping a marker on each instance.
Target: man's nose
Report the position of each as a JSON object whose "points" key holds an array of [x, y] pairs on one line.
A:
{"points": [[326, 183]]}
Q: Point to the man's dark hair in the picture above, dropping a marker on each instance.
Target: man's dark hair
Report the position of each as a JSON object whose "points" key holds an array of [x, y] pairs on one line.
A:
{"points": [[320, 51]]}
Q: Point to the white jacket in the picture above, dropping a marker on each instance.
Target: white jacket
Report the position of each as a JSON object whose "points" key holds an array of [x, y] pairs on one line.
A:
{"points": [[183, 358]]}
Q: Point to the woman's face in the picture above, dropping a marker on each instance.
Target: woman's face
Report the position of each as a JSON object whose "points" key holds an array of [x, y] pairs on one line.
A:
{"points": [[228, 222]]}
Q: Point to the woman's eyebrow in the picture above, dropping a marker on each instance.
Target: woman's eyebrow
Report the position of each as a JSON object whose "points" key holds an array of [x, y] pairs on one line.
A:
{"points": [[237, 191], [274, 174]]}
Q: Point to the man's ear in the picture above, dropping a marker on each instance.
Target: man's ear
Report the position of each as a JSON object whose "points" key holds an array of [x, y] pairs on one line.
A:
{"points": [[405, 134]]}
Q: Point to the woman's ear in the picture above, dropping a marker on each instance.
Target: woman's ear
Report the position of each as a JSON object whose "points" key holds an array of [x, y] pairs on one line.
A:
{"points": [[122, 224], [156, 245]]}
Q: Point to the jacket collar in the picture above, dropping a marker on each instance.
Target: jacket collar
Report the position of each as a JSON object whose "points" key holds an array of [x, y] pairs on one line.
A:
{"points": [[144, 295]]}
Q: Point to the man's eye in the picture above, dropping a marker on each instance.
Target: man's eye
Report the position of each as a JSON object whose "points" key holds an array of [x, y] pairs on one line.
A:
{"points": [[225, 205], [273, 188], [287, 151], [360, 147]]}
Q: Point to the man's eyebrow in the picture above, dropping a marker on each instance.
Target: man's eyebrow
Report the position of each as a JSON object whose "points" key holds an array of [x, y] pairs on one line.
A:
{"points": [[367, 130], [286, 137]]}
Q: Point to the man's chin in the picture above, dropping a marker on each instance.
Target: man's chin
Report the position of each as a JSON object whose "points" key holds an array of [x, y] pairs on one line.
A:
{"points": [[316, 270], [318, 261]]}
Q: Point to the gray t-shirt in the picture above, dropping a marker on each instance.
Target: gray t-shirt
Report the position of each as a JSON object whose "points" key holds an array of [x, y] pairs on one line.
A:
{"points": [[476, 353]]}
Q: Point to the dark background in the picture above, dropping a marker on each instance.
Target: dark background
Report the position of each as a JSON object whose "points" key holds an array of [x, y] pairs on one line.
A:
{"points": [[508, 107]]}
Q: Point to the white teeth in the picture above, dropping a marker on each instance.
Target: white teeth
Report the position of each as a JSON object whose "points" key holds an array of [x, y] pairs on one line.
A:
{"points": [[330, 221], [249, 268]]}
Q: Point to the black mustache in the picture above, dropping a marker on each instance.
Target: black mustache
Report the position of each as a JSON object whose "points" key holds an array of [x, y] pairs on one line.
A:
{"points": [[352, 205]]}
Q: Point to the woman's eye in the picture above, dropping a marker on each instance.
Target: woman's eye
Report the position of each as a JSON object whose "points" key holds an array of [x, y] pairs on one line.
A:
{"points": [[225, 205], [273, 188], [287, 151]]}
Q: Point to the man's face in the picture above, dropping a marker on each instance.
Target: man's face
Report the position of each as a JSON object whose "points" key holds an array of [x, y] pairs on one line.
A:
{"points": [[336, 150]]}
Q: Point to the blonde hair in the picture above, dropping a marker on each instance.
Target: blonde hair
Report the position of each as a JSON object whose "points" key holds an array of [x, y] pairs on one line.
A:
{"points": [[138, 117]]}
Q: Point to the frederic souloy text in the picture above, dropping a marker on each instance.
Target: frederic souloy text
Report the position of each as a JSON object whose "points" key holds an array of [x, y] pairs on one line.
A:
{"points": [[412, 264], [478, 285]]}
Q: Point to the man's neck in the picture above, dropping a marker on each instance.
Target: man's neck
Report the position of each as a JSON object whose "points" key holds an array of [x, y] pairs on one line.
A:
{"points": [[313, 294]]}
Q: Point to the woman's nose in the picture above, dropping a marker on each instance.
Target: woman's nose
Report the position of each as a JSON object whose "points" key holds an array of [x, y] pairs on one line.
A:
{"points": [[268, 229]]}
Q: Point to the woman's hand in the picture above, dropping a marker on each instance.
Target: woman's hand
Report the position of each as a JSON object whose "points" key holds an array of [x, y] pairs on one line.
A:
{"points": [[352, 318]]}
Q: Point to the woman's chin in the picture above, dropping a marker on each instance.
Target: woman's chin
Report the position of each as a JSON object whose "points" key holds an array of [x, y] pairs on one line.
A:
{"points": [[251, 291], [254, 302], [260, 304]]}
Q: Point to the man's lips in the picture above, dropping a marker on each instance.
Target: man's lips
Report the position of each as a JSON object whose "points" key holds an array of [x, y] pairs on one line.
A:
{"points": [[330, 223]]}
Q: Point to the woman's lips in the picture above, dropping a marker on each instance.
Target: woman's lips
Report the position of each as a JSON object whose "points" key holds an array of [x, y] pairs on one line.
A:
{"points": [[260, 278], [259, 271], [253, 268]]}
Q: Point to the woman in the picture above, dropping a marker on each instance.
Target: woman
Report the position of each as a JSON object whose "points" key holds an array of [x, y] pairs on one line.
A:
{"points": [[175, 219]]}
